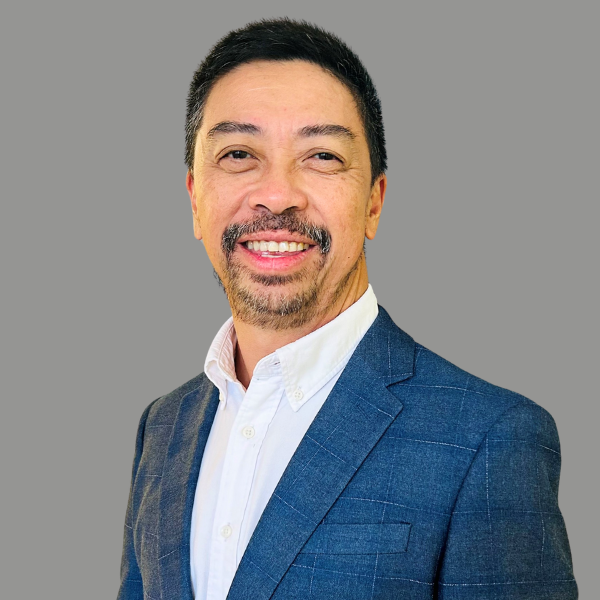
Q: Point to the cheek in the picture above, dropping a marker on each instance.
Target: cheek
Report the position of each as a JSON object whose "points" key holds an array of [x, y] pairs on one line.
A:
{"points": [[345, 217], [352, 241], [217, 205], [339, 198]]}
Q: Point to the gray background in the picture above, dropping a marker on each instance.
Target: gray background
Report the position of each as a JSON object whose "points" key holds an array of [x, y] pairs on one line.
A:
{"points": [[487, 252]]}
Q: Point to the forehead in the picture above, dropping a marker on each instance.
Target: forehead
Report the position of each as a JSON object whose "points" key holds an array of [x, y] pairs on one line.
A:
{"points": [[281, 94]]}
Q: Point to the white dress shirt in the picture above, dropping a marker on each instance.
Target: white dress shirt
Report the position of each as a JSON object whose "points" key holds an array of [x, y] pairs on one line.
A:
{"points": [[255, 433]]}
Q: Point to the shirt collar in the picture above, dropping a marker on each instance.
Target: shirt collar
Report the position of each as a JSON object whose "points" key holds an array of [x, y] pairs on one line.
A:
{"points": [[306, 364], [310, 362], [219, 365]]}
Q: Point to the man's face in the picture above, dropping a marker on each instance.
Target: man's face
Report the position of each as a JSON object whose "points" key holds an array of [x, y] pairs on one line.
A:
{"points": [[281, 191]]}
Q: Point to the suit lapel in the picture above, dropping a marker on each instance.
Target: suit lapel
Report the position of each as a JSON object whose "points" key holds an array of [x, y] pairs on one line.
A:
{"points": [[180, 476], [356, 414]]}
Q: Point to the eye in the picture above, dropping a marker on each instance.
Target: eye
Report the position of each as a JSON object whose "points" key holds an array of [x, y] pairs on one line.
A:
{"points": [[238, 161], [325, 162], [238, 154], [325, 156]]}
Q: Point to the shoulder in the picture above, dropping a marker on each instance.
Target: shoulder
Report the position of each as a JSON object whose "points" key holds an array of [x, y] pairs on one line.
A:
{"points": [[463, 409], [163, 410]]}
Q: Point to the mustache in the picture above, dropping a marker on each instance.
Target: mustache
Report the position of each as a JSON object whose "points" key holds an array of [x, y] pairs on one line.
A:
{"points": [[284, 221]]}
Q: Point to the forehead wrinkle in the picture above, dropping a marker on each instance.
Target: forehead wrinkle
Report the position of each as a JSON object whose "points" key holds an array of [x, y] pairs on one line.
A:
{"points": [[264, 87]]}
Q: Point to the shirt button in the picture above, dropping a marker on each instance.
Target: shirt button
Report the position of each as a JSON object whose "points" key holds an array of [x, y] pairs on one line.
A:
{"points": [[298, 394], [248, 431], [226, 531]]}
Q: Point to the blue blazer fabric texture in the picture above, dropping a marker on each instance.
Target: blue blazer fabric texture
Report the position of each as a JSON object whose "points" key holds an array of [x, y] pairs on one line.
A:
{"points": [[416, 480]]}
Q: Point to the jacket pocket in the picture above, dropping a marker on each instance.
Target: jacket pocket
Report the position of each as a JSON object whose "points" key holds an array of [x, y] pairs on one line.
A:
{"points": [[363, 538]]}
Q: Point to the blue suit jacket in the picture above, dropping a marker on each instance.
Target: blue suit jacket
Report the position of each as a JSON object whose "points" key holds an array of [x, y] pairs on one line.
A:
{"points": [[415, 480]]}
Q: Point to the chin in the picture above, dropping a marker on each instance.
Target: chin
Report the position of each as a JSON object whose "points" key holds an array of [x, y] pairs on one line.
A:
{"points": [[270, 306]]}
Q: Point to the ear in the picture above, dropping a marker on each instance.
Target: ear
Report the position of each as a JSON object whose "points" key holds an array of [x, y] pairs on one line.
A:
{"points": [[189, 184], [375, 205]]}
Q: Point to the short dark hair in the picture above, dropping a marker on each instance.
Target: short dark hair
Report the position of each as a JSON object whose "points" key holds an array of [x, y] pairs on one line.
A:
{"points": [[282, 40]]}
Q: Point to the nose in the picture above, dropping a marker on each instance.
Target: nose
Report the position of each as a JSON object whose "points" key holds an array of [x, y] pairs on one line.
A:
{"points": [[278, 190]]}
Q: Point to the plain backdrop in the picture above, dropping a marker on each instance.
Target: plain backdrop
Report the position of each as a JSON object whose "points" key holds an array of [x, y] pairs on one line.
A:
{"points": [[487, 252]]}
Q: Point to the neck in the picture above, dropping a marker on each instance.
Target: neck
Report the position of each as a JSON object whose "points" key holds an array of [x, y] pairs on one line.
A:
{"points": [[254, 343]]}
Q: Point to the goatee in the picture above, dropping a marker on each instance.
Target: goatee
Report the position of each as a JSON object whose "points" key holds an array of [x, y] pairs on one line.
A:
{"points": [[274, 310]]}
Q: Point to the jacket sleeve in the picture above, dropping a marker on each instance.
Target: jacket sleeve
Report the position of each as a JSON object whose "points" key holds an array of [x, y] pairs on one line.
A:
{"points": [[132, 587], [507, 538]]}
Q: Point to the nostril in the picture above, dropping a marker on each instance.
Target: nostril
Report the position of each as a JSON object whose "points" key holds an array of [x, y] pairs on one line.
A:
{"points": [[277, 210]]}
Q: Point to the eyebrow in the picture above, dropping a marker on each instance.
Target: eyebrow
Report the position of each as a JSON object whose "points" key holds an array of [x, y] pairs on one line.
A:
{"points": [[233, 127], [334, 130]]}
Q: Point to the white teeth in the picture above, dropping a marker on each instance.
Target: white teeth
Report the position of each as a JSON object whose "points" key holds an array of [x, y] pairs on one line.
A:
{"points": [[264, 246]]}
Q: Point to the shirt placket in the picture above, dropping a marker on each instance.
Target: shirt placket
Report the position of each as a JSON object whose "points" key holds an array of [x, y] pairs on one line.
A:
{"points": [[250, 426]]}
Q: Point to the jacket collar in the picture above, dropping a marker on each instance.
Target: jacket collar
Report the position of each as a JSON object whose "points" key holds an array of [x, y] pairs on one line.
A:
{"points": [[387, 350], [180, 474]]}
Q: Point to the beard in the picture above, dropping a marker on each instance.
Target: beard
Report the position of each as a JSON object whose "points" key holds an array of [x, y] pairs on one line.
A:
{"points": [[277, 310]]}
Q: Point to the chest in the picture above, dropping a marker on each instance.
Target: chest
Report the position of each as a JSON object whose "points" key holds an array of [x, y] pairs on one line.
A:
{"points": [[386, 529]]}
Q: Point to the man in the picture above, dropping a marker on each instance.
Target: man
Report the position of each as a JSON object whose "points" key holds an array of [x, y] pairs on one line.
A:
{"points": [[323, 453]]}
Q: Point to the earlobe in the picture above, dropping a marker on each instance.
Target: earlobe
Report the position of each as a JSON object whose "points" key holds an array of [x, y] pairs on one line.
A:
{"points": [[375, 206], [189, 184]]}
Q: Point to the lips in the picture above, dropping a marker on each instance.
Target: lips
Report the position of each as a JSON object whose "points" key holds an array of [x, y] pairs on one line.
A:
{"points": [[275, 235], [274, 247], [271, 229], [266, 261]]}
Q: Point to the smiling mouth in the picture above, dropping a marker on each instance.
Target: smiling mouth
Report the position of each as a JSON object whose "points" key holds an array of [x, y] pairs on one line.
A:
{"points": [[273, 249]]}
